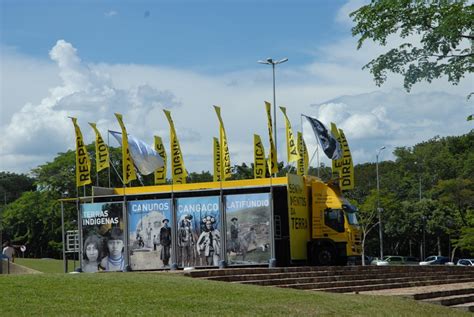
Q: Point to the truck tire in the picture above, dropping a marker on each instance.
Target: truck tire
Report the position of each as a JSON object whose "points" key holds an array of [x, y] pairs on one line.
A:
{"points": [[325, 256]]}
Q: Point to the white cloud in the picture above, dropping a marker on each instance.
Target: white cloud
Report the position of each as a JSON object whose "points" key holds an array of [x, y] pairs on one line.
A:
{"points": [[110, 13], [39, 130], [23, 80], [332, 89], [351, 5], [395, 118]]}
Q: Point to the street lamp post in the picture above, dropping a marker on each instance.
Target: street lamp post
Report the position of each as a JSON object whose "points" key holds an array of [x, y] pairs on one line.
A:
{"points": [[379, 210], [423, 248], [270, 61]]}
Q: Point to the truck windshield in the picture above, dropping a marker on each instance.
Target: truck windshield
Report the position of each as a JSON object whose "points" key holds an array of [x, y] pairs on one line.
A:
{"points": [[352, 218], [351, 213]]}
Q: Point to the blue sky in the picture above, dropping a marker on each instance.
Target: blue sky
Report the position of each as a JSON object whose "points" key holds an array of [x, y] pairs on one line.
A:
{"points": [[89, 59], [212, 35]]}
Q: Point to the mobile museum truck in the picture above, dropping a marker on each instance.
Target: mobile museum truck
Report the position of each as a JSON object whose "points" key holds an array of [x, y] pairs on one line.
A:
{"points": [[282, 221]]}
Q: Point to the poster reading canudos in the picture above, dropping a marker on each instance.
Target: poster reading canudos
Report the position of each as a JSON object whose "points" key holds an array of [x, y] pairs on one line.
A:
{"points": [[150, 234]]}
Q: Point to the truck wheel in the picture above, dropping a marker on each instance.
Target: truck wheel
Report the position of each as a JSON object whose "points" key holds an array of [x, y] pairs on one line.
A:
{"points": [[325, 256]]}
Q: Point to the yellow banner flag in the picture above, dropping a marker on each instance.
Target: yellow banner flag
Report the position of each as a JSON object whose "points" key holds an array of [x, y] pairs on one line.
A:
{"points": [[260, 163], [101, 150], [336, 164], [291, 145], [225, 155], [303, 161], [83, 163], [128, 170], [347, 167], [160, 173], [217, 161], [273, 161], [178, 170]]}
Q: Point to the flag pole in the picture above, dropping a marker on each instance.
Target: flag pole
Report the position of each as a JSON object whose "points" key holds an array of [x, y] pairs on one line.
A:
{"points": [[110, 161], [77, 220], [222, 261], [115, 170], [272, 261], [302, 137]]}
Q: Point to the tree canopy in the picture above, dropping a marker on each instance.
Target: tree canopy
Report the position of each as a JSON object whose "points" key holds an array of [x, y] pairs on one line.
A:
{"points": [[13, 185], [437, 38], [428, 187]]}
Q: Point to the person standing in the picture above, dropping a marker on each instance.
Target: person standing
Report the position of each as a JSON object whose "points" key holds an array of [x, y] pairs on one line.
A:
{"points": [[186, 241], [234, 235], [9, 251], [209, 241], [155, 242], [165, 241], [149, 230]]}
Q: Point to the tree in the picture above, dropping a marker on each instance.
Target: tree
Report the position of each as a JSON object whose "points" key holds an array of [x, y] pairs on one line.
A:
{"points": [[458, 193], [446, 30], [59, 175], [13, 185], [204, 176], [466, 240], [35, 221], [366, 217]]}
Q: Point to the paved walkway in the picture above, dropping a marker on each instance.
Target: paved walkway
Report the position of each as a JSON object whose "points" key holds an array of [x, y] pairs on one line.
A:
{"points": [[17, 269], [420, 289]]}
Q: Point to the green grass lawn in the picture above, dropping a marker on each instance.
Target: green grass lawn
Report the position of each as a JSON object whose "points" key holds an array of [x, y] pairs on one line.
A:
{"points": [[171, 294], [46, 265]]}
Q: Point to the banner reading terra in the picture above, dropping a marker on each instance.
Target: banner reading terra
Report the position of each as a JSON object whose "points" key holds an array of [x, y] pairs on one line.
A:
{"points": [[198, 231], [149, 234], [248, 228], [103, 237], [298, 217]]}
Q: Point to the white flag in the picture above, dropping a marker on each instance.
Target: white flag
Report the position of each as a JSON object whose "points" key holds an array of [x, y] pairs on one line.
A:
{"points": [[146, 159], [329, 143]]}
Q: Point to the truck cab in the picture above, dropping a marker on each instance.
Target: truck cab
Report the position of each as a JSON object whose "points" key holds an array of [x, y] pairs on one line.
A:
{"points": [[335, 233]]}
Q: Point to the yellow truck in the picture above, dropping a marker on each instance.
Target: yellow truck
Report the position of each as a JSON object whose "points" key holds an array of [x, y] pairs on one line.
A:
{"points": [[280, 221]]}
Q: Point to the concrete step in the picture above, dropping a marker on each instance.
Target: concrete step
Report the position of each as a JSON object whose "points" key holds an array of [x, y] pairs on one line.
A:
{"points": [[368, 282], [452, 300], [314, 274], [445, 293], [347, 270], [374, 287], [466, 307], [335, 278]]}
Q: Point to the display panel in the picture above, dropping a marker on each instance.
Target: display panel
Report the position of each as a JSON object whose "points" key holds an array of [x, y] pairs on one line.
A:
{"points": [[103, 237], [150, 242], [248, 228], [198, 231]]}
